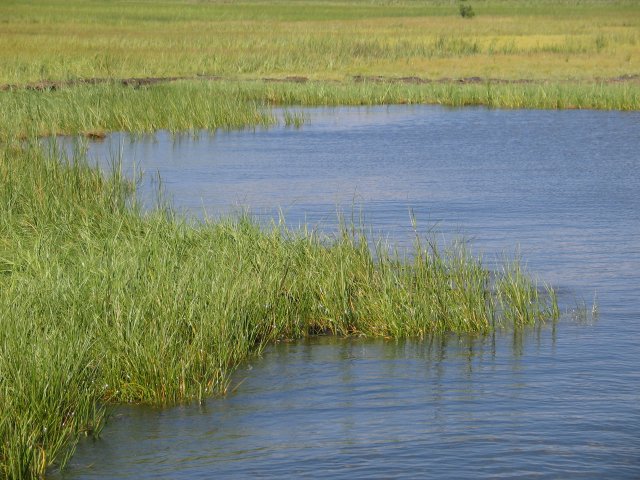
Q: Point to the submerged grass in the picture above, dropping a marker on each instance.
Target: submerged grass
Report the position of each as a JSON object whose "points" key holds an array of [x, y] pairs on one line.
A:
{"points": [[195, 105], [101, 303]]}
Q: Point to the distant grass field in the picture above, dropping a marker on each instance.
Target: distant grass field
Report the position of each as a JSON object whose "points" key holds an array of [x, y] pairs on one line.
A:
{"points": [[509, 39]]}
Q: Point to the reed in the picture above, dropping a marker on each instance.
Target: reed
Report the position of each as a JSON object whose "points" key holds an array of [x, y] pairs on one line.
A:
{"points": [[102, 303], [94, 110], [195, 105], [602, 96]]}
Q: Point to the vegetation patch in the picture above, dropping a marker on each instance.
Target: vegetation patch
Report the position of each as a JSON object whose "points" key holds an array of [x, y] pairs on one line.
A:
{"points": [[101, 303], [466, 10], [45, 40], [196, 105]]}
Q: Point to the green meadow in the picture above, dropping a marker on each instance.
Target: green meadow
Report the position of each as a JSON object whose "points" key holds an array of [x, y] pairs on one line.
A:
{"points": [[86, 275]]}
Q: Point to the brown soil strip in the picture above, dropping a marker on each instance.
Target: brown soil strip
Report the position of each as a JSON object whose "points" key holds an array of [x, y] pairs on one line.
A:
{"points": [[485, 80], [287, 79], [137, 82]]}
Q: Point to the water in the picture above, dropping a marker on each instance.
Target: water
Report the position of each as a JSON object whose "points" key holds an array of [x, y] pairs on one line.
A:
{"points": [[559, 401]]}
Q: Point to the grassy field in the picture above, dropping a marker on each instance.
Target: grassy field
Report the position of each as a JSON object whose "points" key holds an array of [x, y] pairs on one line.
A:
{"points": [[515, 54], [536, 39]]}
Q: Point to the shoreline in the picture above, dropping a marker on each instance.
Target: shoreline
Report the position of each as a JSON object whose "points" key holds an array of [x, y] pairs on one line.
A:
{"points": [[137, 82]]}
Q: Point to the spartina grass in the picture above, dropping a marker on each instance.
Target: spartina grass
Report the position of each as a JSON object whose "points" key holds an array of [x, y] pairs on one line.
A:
{"points": [[101, 302], [520, 299], [191, 106]]}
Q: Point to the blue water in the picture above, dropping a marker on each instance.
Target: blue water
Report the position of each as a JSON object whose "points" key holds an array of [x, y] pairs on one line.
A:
{"points": [[560, 401]]}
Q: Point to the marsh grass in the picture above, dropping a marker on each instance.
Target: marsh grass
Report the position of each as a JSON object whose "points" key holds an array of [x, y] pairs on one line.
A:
{"points": [[294, 118], [195, 105], [183, 107], [60, 40], [102, 303], [569, 49], [519, 297]]}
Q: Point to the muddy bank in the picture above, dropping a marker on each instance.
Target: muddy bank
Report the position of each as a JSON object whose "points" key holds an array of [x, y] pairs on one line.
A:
{"points": [[487, 80], [46, 85], [137, 82]]}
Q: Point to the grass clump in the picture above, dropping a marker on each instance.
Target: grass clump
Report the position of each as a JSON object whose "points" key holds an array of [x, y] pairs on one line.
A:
{"points": [[100, 303], [519, 297]]}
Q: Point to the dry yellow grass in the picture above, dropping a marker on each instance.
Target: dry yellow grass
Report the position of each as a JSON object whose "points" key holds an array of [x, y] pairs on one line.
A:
{"points": [[54, 39]]}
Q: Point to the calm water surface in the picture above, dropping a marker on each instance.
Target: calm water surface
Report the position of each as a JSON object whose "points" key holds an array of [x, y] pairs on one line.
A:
{"points": [[561, 401]]}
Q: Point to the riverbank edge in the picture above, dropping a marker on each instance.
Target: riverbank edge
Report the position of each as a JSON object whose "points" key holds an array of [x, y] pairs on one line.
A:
{"points": [[49, 85], [143, 105]]}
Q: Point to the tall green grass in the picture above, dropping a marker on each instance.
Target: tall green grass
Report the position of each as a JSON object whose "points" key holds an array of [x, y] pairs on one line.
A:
{"points": [[97, 109], [102, 303], [601, 96], [195, 105]]}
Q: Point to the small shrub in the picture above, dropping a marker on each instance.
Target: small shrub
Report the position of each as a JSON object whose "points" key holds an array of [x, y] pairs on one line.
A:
{"points": [[466, 11]]}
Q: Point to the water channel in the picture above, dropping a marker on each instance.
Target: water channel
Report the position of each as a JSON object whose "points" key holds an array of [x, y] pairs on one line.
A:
{"points": [[560, 401]]}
